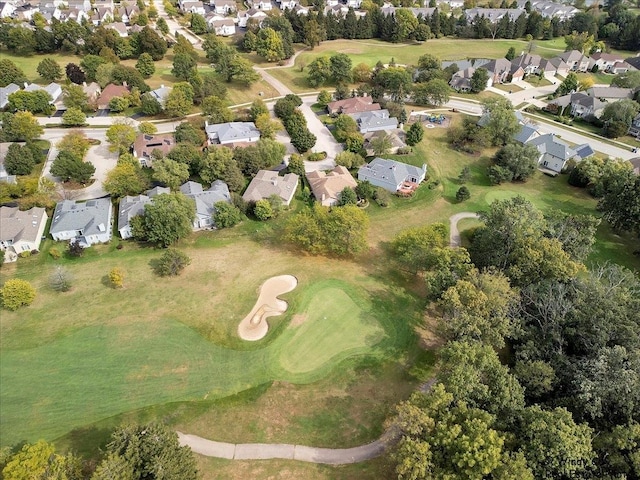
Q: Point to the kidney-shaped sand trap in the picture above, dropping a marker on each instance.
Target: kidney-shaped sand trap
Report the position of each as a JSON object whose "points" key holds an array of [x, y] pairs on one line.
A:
{"points": [[254, 326]]}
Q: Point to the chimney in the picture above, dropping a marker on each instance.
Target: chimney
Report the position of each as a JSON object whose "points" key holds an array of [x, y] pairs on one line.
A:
{"points": [[84, 84], [161, 85], [26, 84]]}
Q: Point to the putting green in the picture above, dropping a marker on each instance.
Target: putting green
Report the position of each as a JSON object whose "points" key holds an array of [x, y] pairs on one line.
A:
{"points": [[101, 371], [334, 326], [493, 195]]}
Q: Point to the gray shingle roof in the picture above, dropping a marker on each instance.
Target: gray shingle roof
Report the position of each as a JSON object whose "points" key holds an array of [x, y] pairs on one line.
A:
{"points": [[232, 131], [91, 217], [553, 146], [526, 133], [389, 172]]}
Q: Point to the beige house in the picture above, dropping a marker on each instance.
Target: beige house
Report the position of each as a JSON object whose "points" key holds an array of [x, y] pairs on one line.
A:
{"points": [[21, 231], [267, 183], [326, 187]]}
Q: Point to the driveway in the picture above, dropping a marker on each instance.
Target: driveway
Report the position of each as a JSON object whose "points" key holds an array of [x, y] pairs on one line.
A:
{"points": [[326, 142], [454, 233]]}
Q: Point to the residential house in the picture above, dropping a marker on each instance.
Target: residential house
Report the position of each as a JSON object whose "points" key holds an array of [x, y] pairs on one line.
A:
{"points": [[500, 71], [494, 15], [205, 201], [530, 64], [192, 6], [161, 94], [395, 137], [223, 7], [301, 10], [554, 66], [374, 120], [128, 12], [264, 5], [252, 15], [53, 89], [424, 12], [634, 61], [87, 223], [635, 165], [109, 92], [584, 151], [526, 133], [146, 144], [549, 9], [21, 231], [120, 28], [620, 67], [103, 15], [576, 60], [267, 183], [554, 153], [452, 3], [396, 177], [133, 206], [25, 12], [332, 3], [232, 132], [352, 105], [584, 106], [634, 129], [604, 61], [7, 9], [287, 4], [461, 80], [326, 187], [223, 27], [5, 92], [610, 94], [76, 14]]}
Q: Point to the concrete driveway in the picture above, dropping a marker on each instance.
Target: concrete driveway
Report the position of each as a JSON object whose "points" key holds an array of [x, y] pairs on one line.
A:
{"points": [[326, 142]]}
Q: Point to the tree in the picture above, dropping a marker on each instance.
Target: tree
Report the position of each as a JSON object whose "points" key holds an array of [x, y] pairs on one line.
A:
{"points": [[406, 23], [145, 65], [314, 33], [10, 73], [68, 166], [621, 204], [219, 164], [465, 175], [463, 194], [268, 128], [568, 85], [34, 102], [513, 240], [501, 122], [75, 74], [258, 107], [226, 215], [75, 248], [125, 179], [349, 159], [19, 160], [319, 71], [415, 134], [479, 80], [395, 81], [576, 233], [184, 66], [147, 128], [198, 24], [89, 65], [21, 41], [630, 79], [361, 73], [269, 45], [296, 164], [553, 443], [152, 448], [442, 438], [39, 460], [75, 142], [381, 145], [161, 25], [217, 110], [511, 53], [520, 159], [347, 197], [617, 117], [434, 92], [73, 96], [340, 68], [152, 43], [60, 280], [73, 117], [170, 173], [150, 105], [20, 127], [344, 126], [180, 100], [121, 136], [116, 277], [49, 70], [172, 263], [165, 220], [187, 132], [16, 293]]}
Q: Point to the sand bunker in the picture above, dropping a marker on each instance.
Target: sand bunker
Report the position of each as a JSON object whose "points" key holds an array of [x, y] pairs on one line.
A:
{"points": [[254, 326]]}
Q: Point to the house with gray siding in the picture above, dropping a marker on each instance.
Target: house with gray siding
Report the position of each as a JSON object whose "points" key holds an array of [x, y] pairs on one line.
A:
{"points": [[88, 223], [232, 132], [554, 153], [374, 120], [391, 175]]}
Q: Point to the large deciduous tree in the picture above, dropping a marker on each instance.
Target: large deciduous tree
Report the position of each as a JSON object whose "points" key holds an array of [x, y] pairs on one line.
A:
{"points": [[520, 160], [165, 220], [10, 73], [49, 70], [500, 120]]}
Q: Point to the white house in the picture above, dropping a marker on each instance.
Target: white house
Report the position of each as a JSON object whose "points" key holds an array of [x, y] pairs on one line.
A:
{"points": [[224, 27], [205, 201], [88, 223], [262, 5], [554, 153], [223, 7], [288, 4], [232, 132], [251, 14], [5, 92], [52, 89], [21, 231], [6, 9]]}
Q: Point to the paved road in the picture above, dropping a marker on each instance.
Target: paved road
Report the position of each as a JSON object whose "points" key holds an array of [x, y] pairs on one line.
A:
{"points": [[454, 233]]}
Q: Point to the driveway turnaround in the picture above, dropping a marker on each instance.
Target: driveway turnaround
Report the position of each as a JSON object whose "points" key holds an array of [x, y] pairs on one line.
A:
{"points": [[454, 233]]}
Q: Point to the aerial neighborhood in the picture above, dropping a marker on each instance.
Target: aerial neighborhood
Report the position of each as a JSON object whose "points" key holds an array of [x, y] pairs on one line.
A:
{"points": [[319, 239]]}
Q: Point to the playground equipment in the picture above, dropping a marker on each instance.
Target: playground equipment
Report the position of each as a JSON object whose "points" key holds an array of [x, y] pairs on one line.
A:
{"points": [[436, 119]]}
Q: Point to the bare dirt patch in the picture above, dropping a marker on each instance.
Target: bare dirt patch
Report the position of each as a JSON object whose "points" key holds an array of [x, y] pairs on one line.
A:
{"points": [[298, 319]]}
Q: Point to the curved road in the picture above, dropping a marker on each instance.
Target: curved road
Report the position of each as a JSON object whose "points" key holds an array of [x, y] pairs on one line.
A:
{"points": [[287, 451]]}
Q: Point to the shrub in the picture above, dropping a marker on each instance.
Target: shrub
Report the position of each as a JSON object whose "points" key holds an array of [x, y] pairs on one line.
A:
{"points": [[226, 215], [55, 253], [404, 151], [60, 280], [116, 277], [463, 194], [16, 293], [26, 254], [75, 249], [382, 197], [172, 262], [317, 156], [262, 210]]}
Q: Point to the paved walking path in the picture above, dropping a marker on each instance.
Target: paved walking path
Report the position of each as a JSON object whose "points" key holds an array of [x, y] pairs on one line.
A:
{"points": [[454, 233]]}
